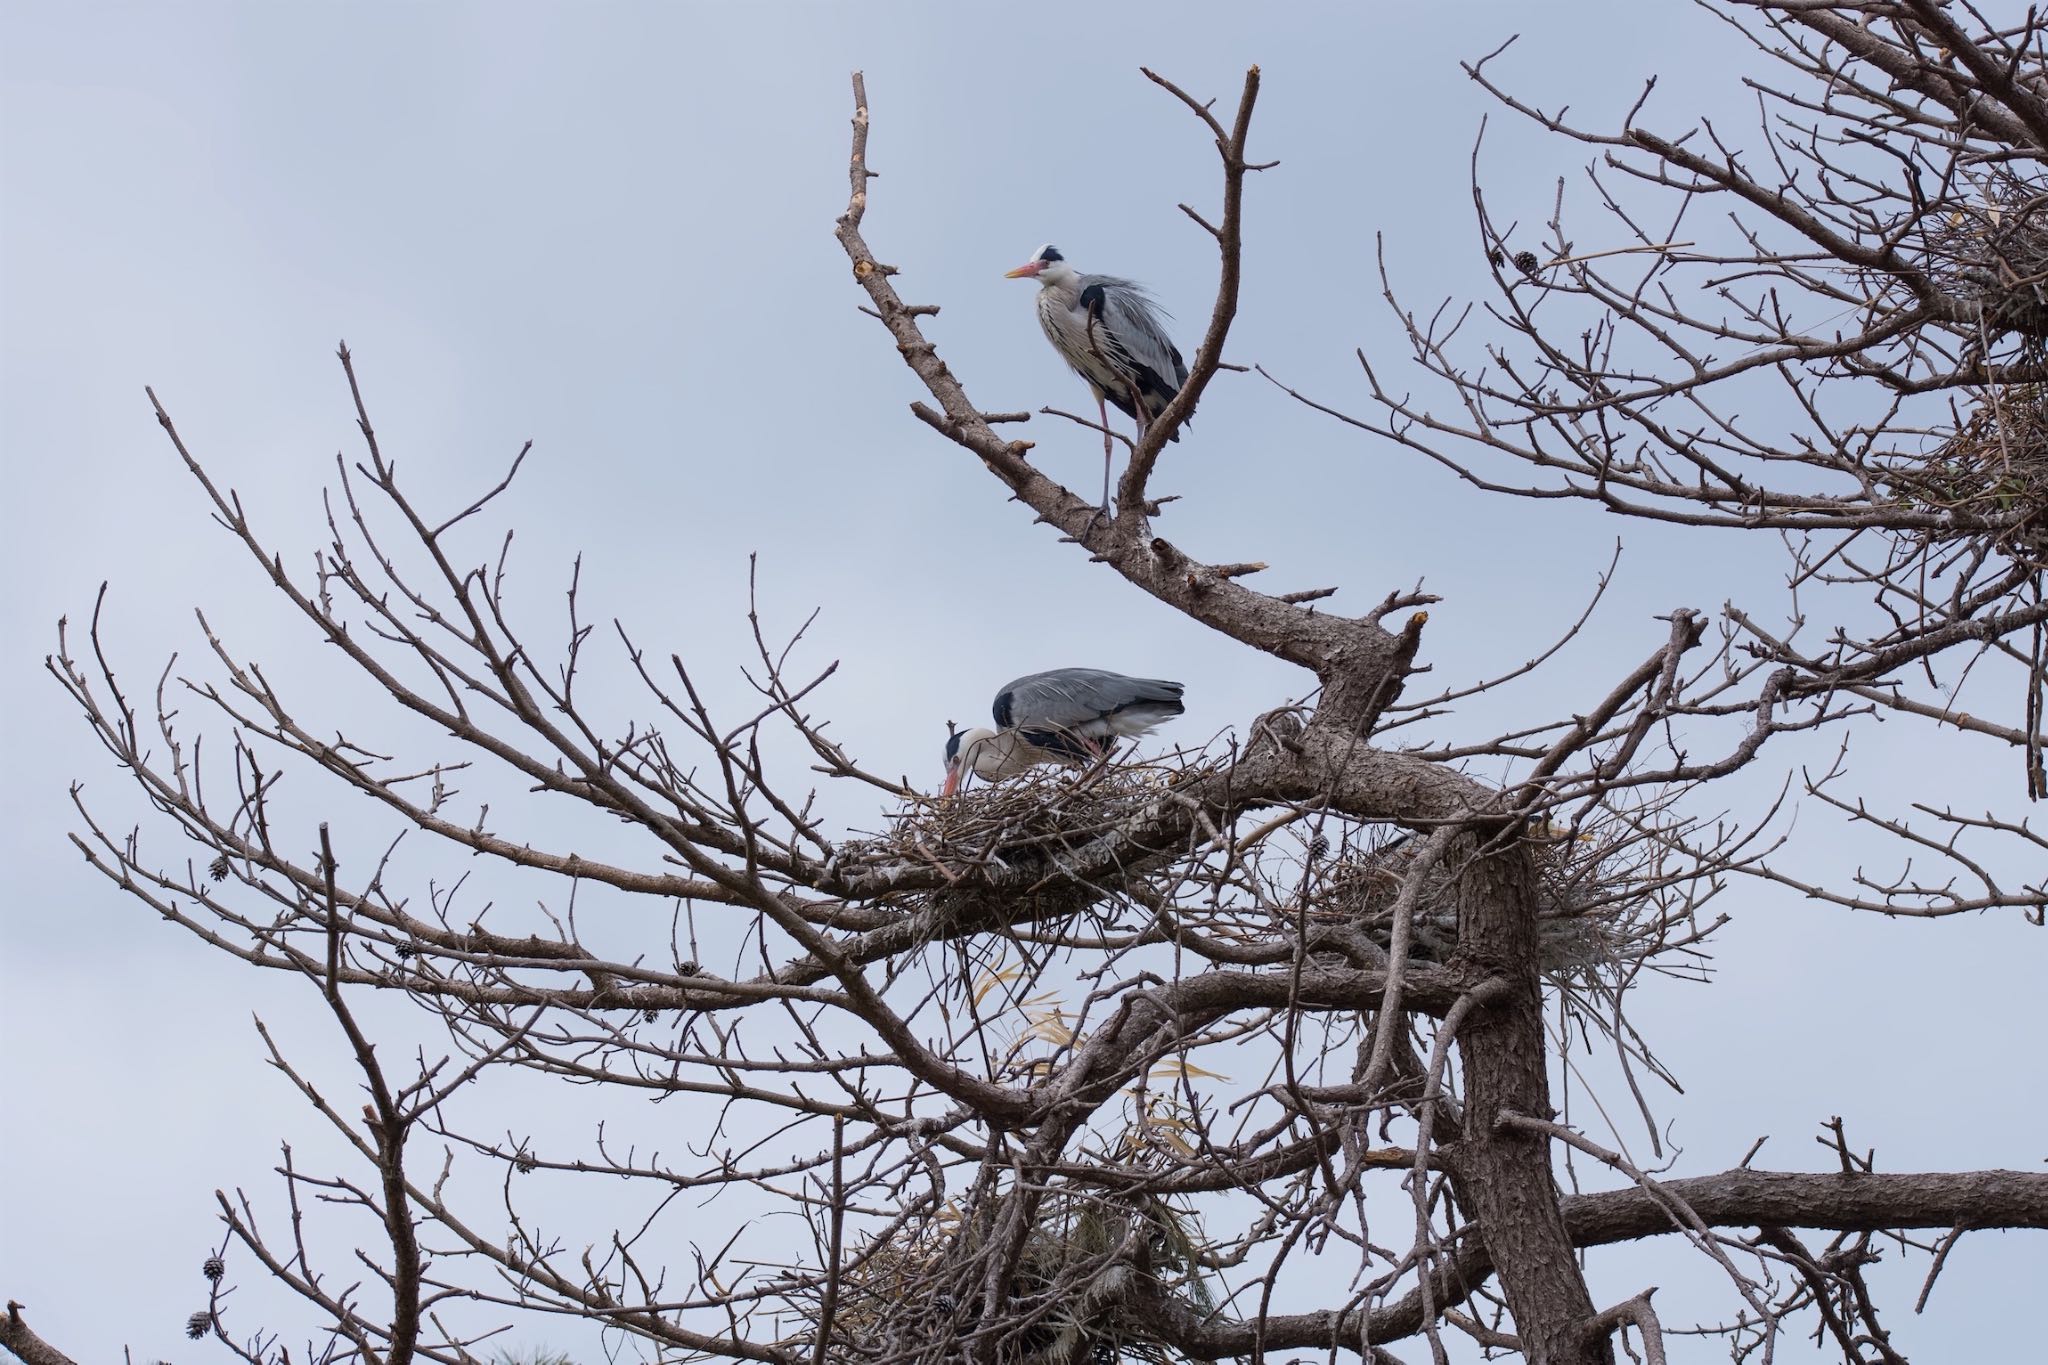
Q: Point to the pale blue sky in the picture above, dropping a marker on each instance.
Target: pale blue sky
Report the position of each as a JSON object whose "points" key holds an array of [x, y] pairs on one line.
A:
{"points": [[607, 228]]}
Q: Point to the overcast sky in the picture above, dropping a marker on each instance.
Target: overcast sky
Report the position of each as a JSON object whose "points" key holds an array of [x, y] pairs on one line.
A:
{"points": [[608, 229]]}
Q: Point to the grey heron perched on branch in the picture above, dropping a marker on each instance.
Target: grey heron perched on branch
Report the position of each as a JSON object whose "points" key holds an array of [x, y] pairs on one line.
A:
{"points": [[1113, 335], [1066, 715]]}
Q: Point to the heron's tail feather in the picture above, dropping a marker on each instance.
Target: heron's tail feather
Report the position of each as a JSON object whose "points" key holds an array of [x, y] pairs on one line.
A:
{"points": [[1157, 701]]}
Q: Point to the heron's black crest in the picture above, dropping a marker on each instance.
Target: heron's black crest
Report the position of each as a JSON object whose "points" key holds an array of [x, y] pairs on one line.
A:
{"points": [[1050, 254], [953, 747]]}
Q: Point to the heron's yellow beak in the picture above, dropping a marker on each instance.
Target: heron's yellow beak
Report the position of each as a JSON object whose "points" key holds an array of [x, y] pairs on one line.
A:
{"points": [[1024, 271]]}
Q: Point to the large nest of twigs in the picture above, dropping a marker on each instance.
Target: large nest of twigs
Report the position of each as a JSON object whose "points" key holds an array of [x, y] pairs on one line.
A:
{"points": [[1039, 811], [920, 1295], [1992, 250], [1046, 821], [1993, 468]]}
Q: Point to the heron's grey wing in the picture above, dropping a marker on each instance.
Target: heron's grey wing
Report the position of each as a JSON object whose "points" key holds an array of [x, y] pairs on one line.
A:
{"points": [[1135, 327], [1060, 697], [1080, 700], [1134, 315], [1039, 708]]}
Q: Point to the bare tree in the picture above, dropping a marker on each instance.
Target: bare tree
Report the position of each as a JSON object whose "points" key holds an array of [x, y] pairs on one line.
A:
{"points": [[974, 1054]]}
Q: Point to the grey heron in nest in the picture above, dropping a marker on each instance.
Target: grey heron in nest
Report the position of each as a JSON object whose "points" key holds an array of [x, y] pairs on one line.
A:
{"points": [[1067, 715]]}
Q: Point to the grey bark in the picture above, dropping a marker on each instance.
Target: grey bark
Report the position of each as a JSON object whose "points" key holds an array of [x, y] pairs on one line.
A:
{"points": [[25, 1344]]}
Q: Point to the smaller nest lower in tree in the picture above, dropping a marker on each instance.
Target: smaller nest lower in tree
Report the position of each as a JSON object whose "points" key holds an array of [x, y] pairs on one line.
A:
{"points": [[917, 1295], [1601, 907], [1995, 467]]}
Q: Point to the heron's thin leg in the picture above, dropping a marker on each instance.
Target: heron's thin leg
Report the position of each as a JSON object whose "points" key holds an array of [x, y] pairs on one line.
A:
{"points": [[1102, 408]]}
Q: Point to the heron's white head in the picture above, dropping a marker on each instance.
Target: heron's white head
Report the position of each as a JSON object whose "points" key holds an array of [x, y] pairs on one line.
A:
{"points": [[1046, 266], [967, 751]]}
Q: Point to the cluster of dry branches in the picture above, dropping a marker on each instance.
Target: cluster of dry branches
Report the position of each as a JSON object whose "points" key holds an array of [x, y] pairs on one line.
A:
{"points": [[1877, 291], [1090, 1068]]}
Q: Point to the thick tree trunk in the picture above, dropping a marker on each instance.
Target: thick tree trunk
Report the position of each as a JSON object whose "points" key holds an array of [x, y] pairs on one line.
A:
{"points": [[1504, 1178]]}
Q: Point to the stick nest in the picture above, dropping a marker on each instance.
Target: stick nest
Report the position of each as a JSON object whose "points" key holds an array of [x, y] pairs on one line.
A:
{"points": [[1033, 819], [1603, 907], [1993, 468], [914, 1295], [1992, 250]]}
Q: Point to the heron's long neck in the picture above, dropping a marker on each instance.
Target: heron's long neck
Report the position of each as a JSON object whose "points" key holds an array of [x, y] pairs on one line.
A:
{"points": [[1000, 755]]}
